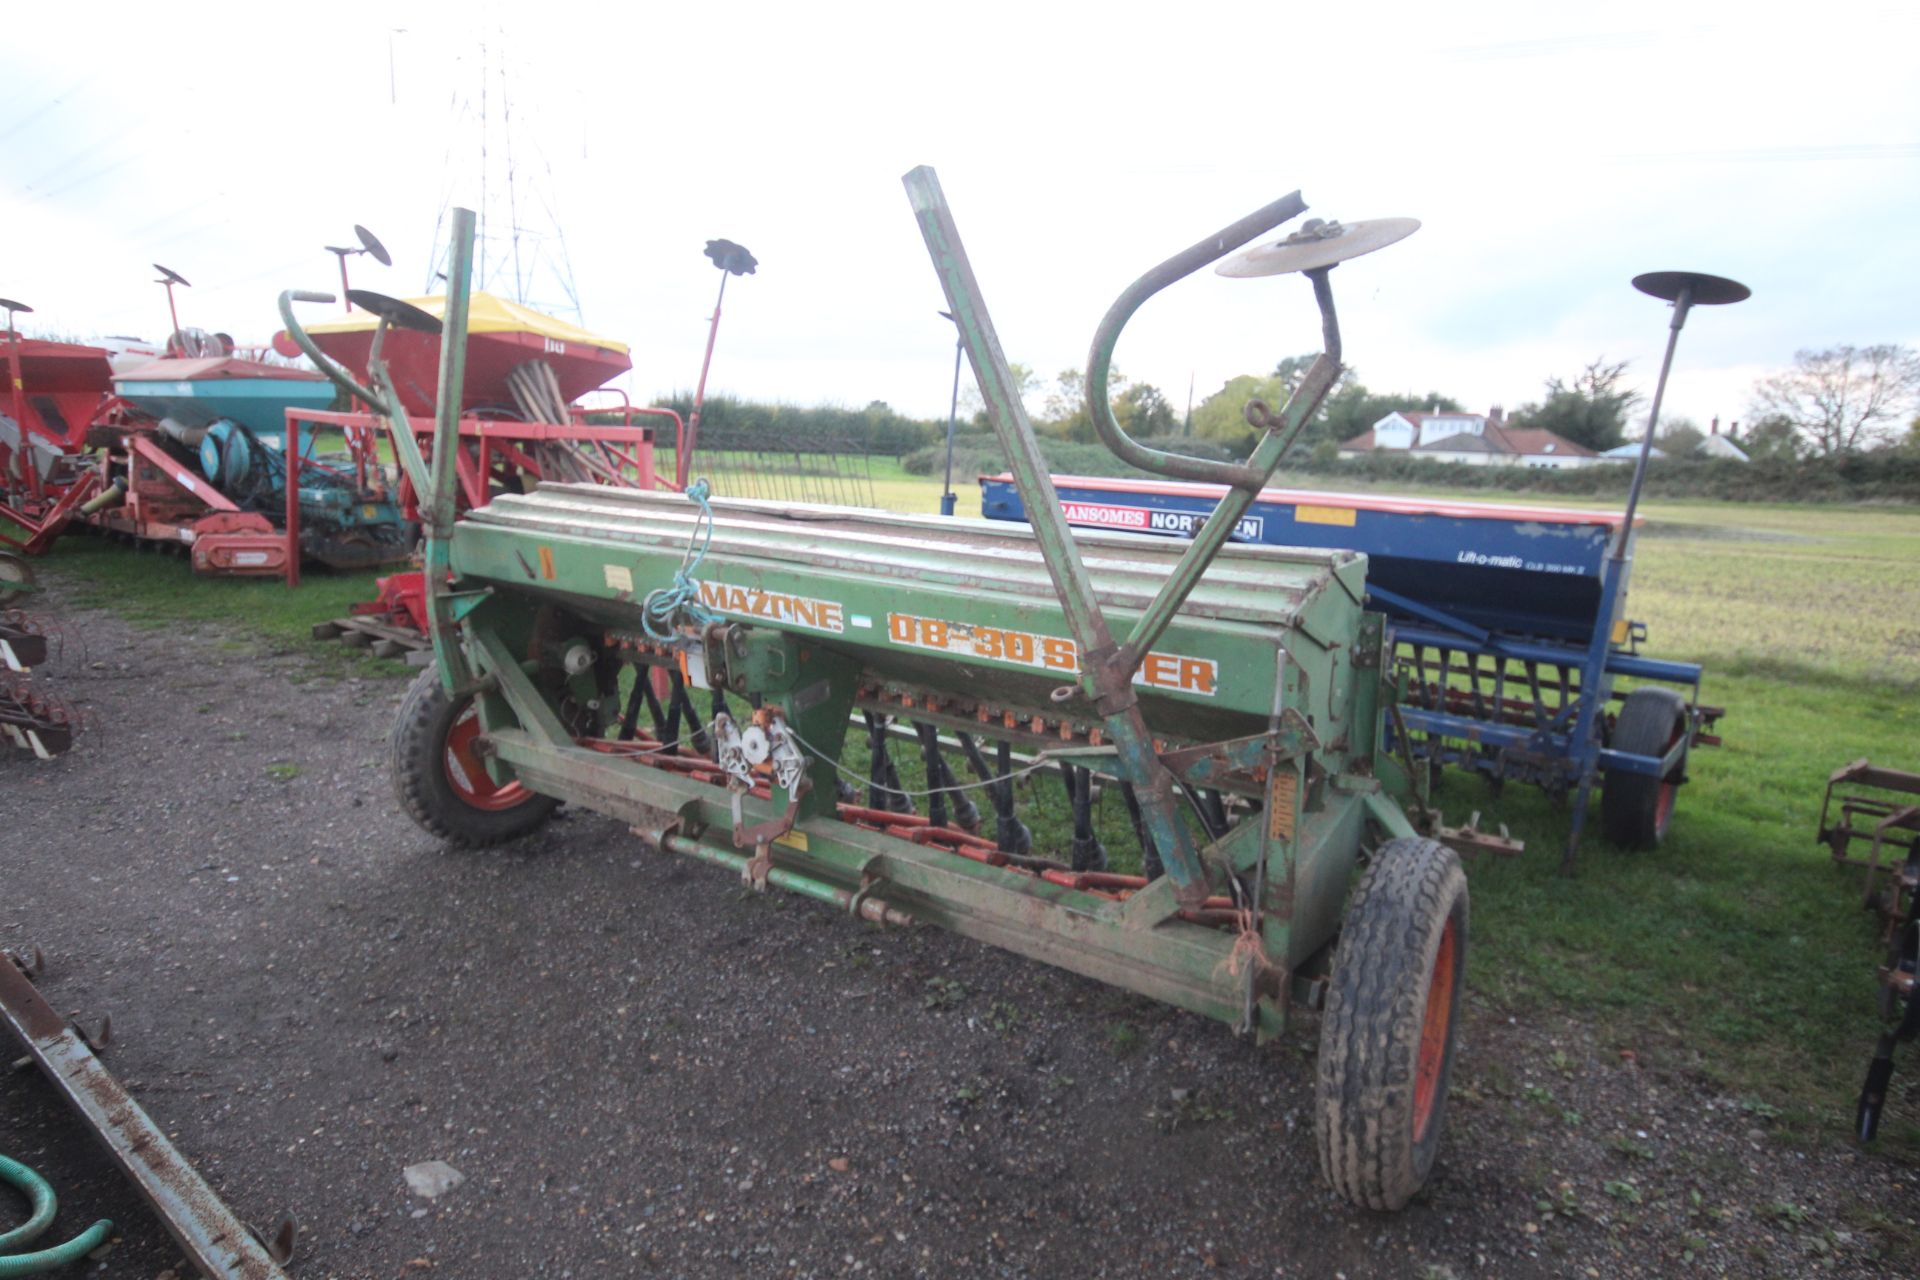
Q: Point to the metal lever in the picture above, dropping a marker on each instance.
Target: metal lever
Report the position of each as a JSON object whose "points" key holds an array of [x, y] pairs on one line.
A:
{"points": [[321, 360], [1314, 250], [1107, 336], [1108, 687], [384, 402]]}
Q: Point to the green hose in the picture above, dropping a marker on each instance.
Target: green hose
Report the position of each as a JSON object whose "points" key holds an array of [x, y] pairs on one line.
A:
{"points": [[39, 1195], [43, 1206]]}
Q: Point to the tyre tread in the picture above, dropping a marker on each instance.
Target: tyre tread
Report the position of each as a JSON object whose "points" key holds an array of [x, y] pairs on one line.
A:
{"points": [[1629, 802], [414, 747], [1370, 1030]]}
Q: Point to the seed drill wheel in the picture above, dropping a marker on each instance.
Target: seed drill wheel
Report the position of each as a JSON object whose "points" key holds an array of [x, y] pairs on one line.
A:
{"points": [[16, 576], [1635, 809], [442, 782], [1387, 1037]]}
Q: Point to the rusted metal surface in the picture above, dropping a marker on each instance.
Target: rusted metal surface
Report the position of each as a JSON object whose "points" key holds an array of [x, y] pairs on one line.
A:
{"points": [[1899, 982], [219, 1244], [1864, 802], [33, 721], [32, 718], [1468, 839], [856, 903], [22, 643], [1848, 785], [1881, 807]]}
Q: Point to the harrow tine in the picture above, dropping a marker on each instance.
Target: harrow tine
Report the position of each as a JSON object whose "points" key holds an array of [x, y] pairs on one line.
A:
{"points": [[966, 814], [876, 760], [1500, 700], [1212, 813], [630, 718], [680, 707], [1088, 853], [1540, 717], [930, 751], [656, 712], [670, 731], [1216, 811], [895, 795], [883, 778], [1011, 835], [1149, 854]]}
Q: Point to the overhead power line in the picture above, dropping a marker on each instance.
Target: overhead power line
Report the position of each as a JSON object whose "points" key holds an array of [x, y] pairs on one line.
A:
{"points": [[1780, 155]]}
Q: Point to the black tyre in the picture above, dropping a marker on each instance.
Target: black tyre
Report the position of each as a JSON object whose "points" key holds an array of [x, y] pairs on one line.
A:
{"points": [[1387, 1036], [1636, 809], [441, 781]]}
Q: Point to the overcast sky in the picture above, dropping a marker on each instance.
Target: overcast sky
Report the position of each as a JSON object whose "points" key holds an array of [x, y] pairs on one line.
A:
{"points": [[1552, 152]]}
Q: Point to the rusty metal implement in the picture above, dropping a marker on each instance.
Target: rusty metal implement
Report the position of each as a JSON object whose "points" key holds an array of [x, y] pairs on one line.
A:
{"points": [[1880, 807], [33, 718], [218, 1243]]}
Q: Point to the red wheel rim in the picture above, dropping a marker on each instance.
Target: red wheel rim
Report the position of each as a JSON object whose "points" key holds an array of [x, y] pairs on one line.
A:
{"points": [[467, 773], [1433, 1033]]}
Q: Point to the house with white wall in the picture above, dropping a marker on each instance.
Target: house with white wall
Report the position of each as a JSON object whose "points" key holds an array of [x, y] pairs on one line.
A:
{"points": [[1473, 439]]}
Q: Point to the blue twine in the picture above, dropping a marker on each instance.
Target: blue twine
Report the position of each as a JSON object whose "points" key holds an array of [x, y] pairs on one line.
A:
{"points": [[683, 596]]}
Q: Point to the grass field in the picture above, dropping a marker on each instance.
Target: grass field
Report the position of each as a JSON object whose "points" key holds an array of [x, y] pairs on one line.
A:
{"points": [[1736, 951], [155, 590]]}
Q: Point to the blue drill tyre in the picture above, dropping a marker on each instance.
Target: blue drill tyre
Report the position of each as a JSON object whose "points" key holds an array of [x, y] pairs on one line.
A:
{"points": [[1636, 809]]}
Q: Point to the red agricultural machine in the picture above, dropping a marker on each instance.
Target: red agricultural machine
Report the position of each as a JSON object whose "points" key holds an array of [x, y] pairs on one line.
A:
{"points": [[521, 418], [202, 450], [211, 451], [56, 390], [184, 452]]}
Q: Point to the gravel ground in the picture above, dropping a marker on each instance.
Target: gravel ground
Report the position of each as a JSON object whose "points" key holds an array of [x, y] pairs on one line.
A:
{"points": [[641, 1070]]}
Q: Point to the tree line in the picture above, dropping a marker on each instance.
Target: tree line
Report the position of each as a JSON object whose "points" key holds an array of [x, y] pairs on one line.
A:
{"points": [[731, 423], [1829, 403]]}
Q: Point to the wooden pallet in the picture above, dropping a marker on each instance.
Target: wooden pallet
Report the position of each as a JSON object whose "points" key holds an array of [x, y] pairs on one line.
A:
{"points": [[382, 639]]}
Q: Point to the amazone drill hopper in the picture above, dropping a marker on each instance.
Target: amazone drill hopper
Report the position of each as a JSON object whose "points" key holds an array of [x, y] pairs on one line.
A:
{"points": [[1234, 693]]}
